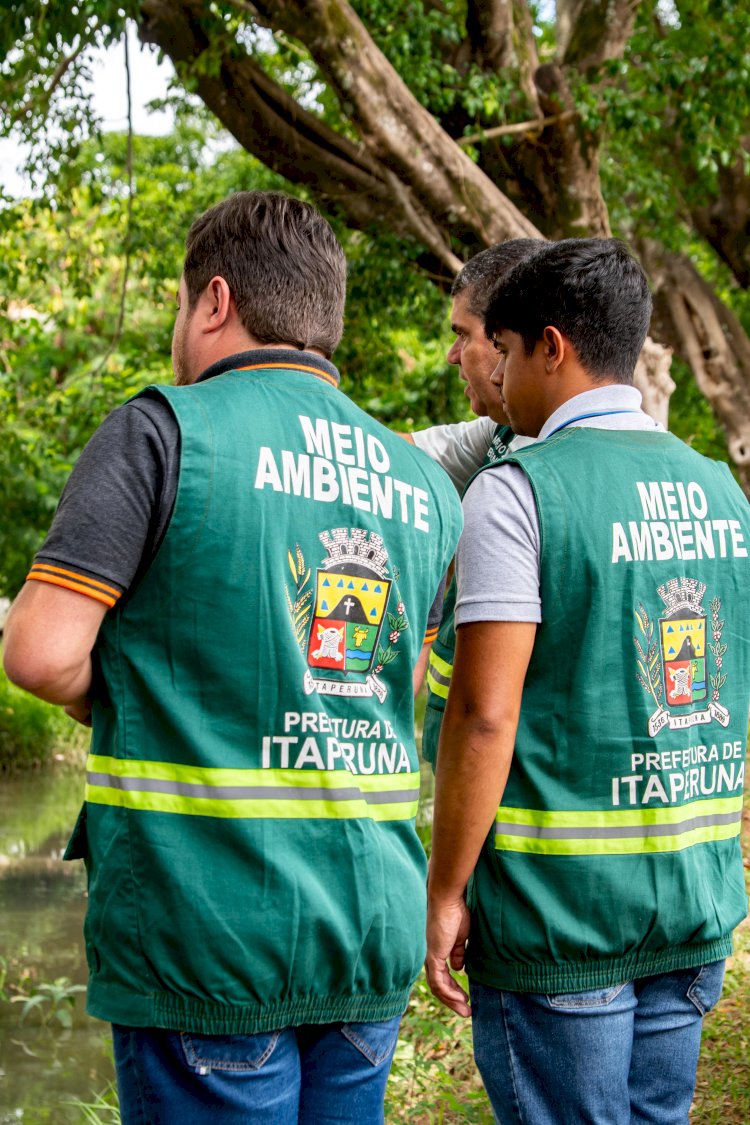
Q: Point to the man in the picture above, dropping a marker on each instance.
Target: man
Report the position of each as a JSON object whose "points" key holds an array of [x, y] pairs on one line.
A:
{"points": [[462, 448], [256, 883], [591, 763]]}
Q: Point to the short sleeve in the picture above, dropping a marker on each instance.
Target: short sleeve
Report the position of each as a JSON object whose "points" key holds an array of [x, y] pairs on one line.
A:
{"points": [[116, 505], [497, 562], [460, 449]]}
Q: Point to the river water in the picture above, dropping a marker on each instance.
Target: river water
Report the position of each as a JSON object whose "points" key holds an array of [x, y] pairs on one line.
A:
{"points": [[44, 1066]]}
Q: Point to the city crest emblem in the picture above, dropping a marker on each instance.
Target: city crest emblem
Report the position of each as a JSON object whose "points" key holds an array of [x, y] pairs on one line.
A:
{"points": [[672, 666], [338, 622]]}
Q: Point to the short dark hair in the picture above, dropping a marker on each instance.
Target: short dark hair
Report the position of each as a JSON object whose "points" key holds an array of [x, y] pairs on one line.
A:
{"points": [[592, 290], [283, 264], [481, 273]]}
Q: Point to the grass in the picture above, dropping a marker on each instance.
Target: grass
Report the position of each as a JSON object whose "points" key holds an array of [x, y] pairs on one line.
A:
{"points": [[722, 1094], [433, 1078]]}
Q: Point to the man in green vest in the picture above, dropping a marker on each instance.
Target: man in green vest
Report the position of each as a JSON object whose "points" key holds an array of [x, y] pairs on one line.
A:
{"points": [[463, 447], [590, 773], [235, 588]]}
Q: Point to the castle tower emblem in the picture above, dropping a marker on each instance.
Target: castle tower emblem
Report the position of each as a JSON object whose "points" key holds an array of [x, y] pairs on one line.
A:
{"points": [[351, 595], [682, 633]]}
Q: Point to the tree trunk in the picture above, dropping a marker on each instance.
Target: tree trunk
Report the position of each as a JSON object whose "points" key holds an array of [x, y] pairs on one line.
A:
{"points": [[404, 171], [653, 380], [709, 337]]}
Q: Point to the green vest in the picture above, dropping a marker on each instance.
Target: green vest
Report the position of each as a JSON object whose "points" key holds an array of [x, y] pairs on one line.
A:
{"points": [[616, 850], [440, 667], [253, 782]]}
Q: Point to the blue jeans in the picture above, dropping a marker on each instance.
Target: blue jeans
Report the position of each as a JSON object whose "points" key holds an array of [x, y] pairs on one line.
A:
{"points": [[308, 1075], [613, 1056]]}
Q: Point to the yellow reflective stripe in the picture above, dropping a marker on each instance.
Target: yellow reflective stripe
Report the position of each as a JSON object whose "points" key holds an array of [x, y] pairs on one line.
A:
{"points": [[439, 674], [197, 775], [441, 665], [257, 809], [642, 845], [600, 818], [435, 687], [192, 790], [617, 831]]}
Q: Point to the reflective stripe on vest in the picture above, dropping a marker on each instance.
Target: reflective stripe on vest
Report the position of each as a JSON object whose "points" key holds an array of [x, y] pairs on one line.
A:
{"points": [[273, 793], [618, 832], [439, 674]]}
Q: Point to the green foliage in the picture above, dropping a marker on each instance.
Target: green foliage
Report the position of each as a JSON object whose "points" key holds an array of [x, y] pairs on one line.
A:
{"points": [[63, 366], [433, 1077], [51, 1001], [691, 417], [685, 78], [44, 62], [103, 1110], [30, 731], [64, 362]]}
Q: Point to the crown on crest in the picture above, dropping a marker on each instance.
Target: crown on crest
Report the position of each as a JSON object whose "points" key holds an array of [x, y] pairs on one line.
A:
{"points": [[683, 593], [355, 544]]}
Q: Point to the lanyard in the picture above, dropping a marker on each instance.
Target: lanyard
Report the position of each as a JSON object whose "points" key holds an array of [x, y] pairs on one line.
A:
{"points": [[591, 414]]}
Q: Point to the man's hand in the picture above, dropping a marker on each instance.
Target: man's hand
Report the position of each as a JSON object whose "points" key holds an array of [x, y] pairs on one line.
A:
{"points": [[447, 932]]}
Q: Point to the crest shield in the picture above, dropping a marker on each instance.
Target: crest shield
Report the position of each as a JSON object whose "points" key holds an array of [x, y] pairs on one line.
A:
{"points": [[683, 645], [350, 603]]}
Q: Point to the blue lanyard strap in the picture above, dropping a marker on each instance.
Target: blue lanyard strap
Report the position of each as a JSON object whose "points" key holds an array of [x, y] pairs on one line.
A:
{"points": [[591, 414]]}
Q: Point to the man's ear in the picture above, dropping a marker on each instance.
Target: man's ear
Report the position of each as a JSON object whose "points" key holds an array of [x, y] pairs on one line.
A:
{"points": [[217, 304], [555, 347]]}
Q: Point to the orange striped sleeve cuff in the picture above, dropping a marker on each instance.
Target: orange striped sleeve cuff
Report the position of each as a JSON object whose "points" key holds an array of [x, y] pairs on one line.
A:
{"points": [[431, 635], [71, 580]]}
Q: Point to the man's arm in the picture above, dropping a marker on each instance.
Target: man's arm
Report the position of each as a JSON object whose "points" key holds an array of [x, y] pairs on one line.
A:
{"points": [[476, 748], [49, 636], [112, 516], [420, 668], [459, 447]]}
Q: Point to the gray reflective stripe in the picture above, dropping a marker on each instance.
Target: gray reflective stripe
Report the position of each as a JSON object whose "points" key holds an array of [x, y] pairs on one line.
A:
{"points": [[441, 679], [250, 792], [629, 831]]}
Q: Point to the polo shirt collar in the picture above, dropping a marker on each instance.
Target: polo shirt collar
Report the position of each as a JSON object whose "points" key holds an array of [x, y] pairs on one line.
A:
{"points": [[283, 359]]}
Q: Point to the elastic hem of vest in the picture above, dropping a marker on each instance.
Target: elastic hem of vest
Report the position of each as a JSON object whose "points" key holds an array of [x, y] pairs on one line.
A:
{"points": [[174, 1013], [582, 977]]}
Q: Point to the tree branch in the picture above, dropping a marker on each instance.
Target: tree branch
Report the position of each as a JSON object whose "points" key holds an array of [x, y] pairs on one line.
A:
{"points": [[489, 24], [710, 338], [517, 127], [724, 219], [396, 130], [569, 172], [269, 123], [589, 32], [43, 100]]}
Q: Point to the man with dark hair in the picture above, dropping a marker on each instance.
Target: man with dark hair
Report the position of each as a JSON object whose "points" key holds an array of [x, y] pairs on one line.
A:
{"points": [[586, 836], [236, 583], [463, 447]]}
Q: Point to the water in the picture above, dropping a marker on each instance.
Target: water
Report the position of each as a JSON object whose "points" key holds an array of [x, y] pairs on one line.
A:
{"points": [[43, 1064]]}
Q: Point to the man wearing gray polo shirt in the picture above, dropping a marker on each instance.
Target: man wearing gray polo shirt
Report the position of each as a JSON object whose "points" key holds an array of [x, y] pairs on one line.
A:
{"points": [[602, 651]]}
